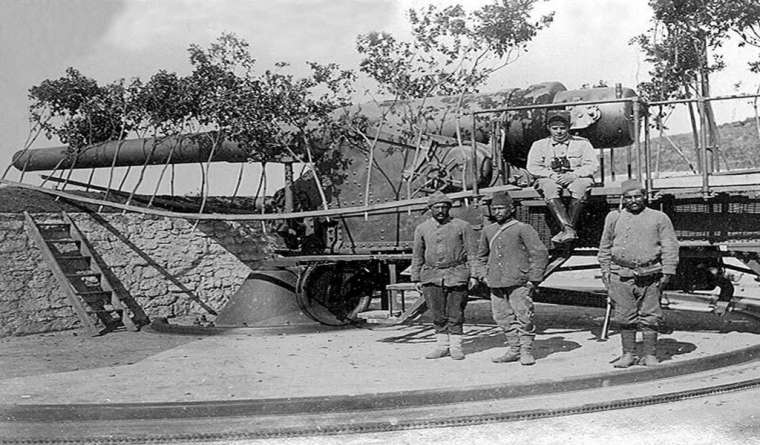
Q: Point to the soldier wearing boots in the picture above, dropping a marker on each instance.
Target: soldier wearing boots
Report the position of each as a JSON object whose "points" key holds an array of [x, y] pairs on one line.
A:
{"points": [[443, 258], [512, 262], [638, 255], [563, 161]]}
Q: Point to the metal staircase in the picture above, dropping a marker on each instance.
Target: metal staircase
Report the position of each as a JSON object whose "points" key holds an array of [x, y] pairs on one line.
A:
{"points": [[83, 277]]}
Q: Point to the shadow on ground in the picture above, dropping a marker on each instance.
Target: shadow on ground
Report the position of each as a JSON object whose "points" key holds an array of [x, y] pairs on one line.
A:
{"points": [[553, 321]]}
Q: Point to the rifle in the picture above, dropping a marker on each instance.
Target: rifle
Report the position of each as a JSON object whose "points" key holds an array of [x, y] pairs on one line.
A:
{"points": [[604, 335]]}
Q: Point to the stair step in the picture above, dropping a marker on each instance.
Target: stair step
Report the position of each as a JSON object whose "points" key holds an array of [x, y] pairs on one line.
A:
{"points": [[83, 275], [61, 243], [72, 257], [92, 296], [93, 292], [62, 240], [105, 311]]}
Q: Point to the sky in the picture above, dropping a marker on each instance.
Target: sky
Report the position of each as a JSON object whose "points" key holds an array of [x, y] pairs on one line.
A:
{"points": [[112, 39]]}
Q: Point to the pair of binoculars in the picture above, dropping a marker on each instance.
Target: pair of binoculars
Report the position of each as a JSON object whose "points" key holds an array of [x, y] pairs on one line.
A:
{"points": [[560, 165]]}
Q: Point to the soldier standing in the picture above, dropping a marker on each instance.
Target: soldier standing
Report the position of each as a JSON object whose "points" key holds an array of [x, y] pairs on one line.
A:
{"points": [[443, 258], [563, 161], [638, 255], [513, 261]]}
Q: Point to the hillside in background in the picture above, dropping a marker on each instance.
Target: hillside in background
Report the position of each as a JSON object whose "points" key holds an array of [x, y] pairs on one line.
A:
{"points": [[739, 143]]}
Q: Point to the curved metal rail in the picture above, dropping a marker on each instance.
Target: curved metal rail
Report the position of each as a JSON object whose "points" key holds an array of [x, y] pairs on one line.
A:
{"points": [[374, 413]]}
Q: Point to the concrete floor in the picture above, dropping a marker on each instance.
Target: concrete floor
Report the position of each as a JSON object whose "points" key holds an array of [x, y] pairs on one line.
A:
{"points": [[318, 361]]}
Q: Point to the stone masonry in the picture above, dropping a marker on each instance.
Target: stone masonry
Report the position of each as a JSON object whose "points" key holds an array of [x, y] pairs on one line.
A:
{"points": [[171, 269]]}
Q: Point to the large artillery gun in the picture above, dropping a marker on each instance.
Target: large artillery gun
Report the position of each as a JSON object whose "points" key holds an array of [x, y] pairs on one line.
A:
{"points": [[347, 229]]}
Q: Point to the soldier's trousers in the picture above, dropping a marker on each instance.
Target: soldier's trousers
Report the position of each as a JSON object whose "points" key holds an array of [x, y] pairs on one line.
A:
{"points": [[512, 309], [551, 190], [636, 300], [447, 306]]}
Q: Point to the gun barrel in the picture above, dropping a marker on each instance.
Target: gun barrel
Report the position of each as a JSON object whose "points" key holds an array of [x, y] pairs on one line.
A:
{"points": [[150, 151], [606, 125]]}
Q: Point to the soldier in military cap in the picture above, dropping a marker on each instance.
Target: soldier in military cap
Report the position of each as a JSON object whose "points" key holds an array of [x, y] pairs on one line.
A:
{"points": [[443, 262], [638, 255], [512, 262], [563, 161]]}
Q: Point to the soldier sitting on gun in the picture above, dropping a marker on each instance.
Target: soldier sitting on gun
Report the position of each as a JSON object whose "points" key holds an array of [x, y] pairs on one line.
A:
{"points": [[563, 161]]}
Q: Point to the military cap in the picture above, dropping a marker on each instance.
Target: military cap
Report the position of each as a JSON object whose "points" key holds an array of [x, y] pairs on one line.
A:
{"points": [[438, 198], [501, 199], [630, 185], [558, 115]]}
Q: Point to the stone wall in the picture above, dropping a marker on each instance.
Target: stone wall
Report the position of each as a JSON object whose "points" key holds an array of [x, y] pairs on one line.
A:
{"points": [[169, 268]]}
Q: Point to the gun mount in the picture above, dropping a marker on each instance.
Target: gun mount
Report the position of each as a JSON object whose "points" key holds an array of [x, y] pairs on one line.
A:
{"points": [[338, 263]]}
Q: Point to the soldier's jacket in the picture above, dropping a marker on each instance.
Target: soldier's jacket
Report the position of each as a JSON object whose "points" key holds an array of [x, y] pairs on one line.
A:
{"points": [[511, 257], [579, 151], [443, 254], [637, 241]]}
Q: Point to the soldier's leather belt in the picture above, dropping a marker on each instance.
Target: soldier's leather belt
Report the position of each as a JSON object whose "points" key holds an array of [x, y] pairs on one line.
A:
{"points": [[645, 269], [635, 265]]}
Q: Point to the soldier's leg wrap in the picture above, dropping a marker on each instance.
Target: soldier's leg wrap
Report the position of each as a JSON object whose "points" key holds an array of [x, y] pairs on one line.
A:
{"points": [[628, 343], [455, 349], [456, 301], [625, 315], [650, 317], [505, 318], [521, 300], [650, 347], [434, 297], [441, 347]]}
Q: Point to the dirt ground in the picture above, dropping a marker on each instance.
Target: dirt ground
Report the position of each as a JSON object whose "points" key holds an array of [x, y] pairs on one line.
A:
{"points": [[75, 349]]}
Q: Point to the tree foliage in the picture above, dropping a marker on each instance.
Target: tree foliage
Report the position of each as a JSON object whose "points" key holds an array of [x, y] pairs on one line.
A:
{"points": [[685, 38], [451, 51], [271, 113], [78, 111]]}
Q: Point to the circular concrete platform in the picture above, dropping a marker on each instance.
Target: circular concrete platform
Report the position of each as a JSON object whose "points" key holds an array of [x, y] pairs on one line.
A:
{"points": [[316, 361], [286, 381]]}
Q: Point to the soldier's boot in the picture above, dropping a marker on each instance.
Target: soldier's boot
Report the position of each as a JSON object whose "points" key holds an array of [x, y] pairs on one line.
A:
{"points": [[441, 347], [628, 340], [559, 212], [574, 210], [456, 347], [650, 348], [513, 353], [526, 350]]}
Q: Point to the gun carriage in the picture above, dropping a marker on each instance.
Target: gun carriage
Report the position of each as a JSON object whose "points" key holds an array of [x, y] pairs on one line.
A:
{"points": [[346, 231]]}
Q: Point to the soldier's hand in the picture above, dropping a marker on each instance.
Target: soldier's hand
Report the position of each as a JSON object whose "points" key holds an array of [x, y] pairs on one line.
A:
{"points": [[666, 277], [606, 279], [566, 178], [418, 287], [472, 283]]}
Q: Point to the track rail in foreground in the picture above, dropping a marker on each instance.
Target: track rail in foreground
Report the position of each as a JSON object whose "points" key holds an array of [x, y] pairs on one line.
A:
{"points": [[281, 418]]}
